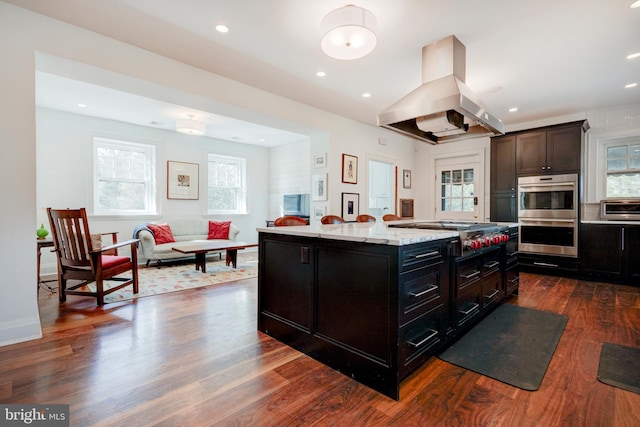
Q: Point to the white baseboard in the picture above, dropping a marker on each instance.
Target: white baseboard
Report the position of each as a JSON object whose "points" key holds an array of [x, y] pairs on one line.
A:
{"points": [[19, 331]]}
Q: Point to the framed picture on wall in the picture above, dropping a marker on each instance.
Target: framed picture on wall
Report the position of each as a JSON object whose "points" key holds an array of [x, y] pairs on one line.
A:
{"points": [[320, 161], [406, 178], [349, 169], [350, 206], [406, 208], [182, 180], [319, 187]]}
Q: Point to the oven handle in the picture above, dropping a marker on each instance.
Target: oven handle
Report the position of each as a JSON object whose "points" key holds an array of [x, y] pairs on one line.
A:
{"points": [[528, 221], [545, 185]]}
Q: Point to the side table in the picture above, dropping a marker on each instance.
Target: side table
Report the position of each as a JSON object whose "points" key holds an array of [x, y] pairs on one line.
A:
{"points": [[44, 243]]}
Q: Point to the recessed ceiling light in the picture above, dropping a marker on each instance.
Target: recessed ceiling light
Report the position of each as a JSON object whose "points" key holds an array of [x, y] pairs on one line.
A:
{"points": [[366, 95], [513, 109], [221, 28], [635, 4], [630, 85], [634, 55], [82, 105], [321, 74]]}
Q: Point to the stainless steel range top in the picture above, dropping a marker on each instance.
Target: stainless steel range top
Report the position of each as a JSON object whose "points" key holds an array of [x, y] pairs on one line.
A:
{"points": [[474, 236]]}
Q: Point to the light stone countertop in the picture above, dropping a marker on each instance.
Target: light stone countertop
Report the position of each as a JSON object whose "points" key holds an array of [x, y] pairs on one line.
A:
{"points": [[365, 232]]}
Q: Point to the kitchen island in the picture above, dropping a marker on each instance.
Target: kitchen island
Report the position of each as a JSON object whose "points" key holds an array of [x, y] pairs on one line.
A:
{"points": [[370, 301]]}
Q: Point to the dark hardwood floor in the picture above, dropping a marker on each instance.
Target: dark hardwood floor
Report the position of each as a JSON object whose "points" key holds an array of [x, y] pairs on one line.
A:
{"points": [[195, 358]]}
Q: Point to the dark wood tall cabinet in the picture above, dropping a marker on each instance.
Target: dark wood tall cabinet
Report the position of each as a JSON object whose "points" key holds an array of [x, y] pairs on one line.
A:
{"points": [[542, 151], [503, 179]]}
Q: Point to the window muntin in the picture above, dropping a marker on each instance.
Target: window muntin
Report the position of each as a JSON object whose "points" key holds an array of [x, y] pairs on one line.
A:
{"points": [[622, 170], [124, 178], [226, 185], [457, 190]]}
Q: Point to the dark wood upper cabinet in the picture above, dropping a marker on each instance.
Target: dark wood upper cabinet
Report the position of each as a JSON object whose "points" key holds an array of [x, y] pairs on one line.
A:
{"points": [[531, 153], [551, 150]]}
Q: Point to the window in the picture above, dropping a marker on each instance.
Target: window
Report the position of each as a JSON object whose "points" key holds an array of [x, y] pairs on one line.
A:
{"points": [[124, 178], [226, 188], [623, 169], [457, 190]]}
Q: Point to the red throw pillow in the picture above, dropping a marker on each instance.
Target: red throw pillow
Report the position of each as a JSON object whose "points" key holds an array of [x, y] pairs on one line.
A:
{"points": [[161, 233], [219, 230]]}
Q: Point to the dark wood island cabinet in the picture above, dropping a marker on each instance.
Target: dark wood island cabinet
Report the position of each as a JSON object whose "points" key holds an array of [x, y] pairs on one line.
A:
{"points": [[375, 311]]}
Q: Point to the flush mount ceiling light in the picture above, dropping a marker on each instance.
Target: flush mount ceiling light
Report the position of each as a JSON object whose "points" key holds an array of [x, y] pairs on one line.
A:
{"points": [[348, 33], [190, 126]]}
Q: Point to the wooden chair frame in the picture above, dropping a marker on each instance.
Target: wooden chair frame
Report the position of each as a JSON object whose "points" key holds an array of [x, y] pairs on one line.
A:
{"points": [[332, 219], [365, 218], [79, 260], [289, 220]]}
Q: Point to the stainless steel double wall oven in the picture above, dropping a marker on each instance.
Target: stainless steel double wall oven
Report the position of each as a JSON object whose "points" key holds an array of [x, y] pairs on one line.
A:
{"points": [[548, 214]]}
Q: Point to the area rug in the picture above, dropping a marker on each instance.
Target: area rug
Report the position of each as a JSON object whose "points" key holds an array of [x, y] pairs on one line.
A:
{"points": [[180, 275], [512, 344], [620, 366]]}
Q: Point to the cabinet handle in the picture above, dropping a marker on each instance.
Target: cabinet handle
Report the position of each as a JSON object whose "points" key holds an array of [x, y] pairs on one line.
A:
{"points": [[470, 310], [469, 276], [304, 255], [545, 264], [428, 254], [423, 341], [426, 291], [493, 294], [622, 248], [491, 264], [515, 279]]}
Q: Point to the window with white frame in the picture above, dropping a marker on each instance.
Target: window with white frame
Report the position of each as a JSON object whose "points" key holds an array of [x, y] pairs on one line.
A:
{"points": [[226, 185], [124, 178], [623, 168]]}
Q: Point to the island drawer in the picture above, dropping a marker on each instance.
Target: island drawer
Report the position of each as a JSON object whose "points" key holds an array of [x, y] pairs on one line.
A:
{"points": [[420, 255], [420, 339], [468, 306], [422, 289]]}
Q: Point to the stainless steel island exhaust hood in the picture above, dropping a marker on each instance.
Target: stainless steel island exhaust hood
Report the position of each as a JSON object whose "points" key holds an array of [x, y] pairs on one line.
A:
{"points": [[443, 108]]}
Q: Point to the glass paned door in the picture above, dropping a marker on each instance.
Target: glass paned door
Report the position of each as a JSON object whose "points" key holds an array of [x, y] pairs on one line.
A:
{"points": [[456, 189]]}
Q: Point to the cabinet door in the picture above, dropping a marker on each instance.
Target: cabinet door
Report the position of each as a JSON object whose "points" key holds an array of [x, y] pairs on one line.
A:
{"points": [[286, 270], [503, 207], [531, 153], [503, 164], [601, 246], [353, 299], [632, 249], [564, 149]]}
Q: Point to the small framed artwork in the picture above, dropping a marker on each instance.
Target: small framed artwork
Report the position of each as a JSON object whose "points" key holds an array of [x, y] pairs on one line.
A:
{"points": [[406, 178], [182, 180], [349, 169], [350, 206], [406, 208], [320, 161], [319, 212], [319, 187]]}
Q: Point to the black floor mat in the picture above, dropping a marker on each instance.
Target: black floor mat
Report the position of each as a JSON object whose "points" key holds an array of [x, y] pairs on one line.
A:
{"points": [[620, 367], [512, 344]]}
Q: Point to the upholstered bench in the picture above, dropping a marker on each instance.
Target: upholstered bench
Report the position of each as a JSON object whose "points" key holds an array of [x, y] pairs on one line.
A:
{"points": [[157, 240]]}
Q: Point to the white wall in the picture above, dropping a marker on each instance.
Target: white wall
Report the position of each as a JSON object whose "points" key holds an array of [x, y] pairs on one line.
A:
{"points": [[64, 172]]}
